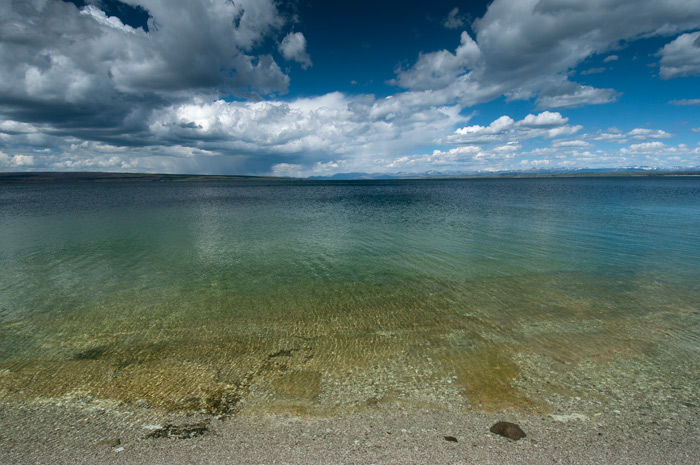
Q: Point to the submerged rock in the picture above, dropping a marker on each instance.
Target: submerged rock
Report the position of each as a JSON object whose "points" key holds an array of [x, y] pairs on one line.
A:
{"points": [[282, 353], [111, 442], [450, 439], [222, 402], [180, 431], [508, 430]]}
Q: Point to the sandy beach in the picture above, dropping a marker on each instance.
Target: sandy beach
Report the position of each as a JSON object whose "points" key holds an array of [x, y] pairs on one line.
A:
{"points": [[78, 431]]}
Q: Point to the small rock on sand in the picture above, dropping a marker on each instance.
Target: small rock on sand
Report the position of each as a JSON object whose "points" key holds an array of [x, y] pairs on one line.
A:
{"points": [[508, 430]]}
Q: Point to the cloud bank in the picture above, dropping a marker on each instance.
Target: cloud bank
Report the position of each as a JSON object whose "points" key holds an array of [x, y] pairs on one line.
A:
{"points": [[201, 90]]}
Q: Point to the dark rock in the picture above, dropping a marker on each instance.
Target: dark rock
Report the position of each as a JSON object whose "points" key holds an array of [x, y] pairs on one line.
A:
{"points": [[508, 430], [180, 431], [450, 439], [282, 353], [111, 442], [94, 353], [222, 402]]}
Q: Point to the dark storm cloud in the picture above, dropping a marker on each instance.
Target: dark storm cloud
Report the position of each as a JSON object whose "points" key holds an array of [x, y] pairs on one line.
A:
{"points": [[87, 74]]}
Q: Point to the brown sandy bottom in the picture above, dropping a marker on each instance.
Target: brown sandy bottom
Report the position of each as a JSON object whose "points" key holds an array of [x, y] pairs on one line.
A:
{"points": [[72, 431]]}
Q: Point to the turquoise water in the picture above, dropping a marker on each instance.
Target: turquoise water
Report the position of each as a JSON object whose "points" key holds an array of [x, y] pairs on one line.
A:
{"points": [[327, 296]]}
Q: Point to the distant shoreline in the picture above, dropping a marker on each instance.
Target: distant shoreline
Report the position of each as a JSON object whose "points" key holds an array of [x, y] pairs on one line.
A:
{"points": [[55, 177], [41, 177]]}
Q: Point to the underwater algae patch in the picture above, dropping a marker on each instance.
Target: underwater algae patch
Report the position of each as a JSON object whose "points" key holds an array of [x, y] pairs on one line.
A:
{"points": [[486, 378], [302, 385], [468, 344]]}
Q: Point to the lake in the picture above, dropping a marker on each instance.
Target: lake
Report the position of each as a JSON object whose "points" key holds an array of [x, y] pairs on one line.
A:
{"points": [[320, 297]]}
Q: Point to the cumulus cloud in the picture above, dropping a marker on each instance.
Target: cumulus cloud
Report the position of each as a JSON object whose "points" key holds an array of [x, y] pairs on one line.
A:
{"points": [[92, 76], [636, 134], [15, 161], [646, 134], [610, 58], [293, 47], [528, 47], [332, 124], [547, 125], [438, 70], [681, 57], [544, 119], [199, 89], [609, 135], [644, 147], [569, 94], [561, 154]]}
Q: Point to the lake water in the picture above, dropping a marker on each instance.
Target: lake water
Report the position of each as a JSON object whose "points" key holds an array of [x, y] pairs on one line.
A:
{"points": [[323, 297]]}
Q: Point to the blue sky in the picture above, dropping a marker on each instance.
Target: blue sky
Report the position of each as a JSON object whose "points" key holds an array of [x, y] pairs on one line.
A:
{"points": [[316, 88]]}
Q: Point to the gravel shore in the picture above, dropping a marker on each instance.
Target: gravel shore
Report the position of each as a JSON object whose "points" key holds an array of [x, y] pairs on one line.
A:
{"points": [[78, 432]]}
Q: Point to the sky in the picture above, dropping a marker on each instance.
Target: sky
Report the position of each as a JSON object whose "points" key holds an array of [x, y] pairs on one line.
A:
{"points": [[315, 87]]}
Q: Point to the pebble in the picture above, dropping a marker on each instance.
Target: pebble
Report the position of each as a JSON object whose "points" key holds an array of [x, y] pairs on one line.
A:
{"points": [[508, 430]]}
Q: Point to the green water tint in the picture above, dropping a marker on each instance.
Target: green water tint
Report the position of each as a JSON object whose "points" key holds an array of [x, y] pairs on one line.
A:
{"points": [[314, 350], [325, 298]]}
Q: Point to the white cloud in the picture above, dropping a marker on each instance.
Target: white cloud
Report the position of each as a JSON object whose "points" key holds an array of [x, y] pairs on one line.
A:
{"points": [[544, 119], [106, 95], [504, 129], [571, 144], [610, 135], [644, 147], [646, 134], [290, 170], [636, 134], [438, 70], [102, 18], [454, 20], [496, 131], [685, 102], [328, 125], [528, 47], [16, 161], [570, 94], [681, 57], [562, 131], [57, 55], [293, 47]]}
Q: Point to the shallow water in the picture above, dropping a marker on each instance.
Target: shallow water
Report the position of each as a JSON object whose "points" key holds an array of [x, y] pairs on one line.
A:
{"points": [[318, 297]]}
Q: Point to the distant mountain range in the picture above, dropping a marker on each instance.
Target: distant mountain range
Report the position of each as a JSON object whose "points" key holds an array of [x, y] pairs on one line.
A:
{"points": [[48, 177], [630, 171]]}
